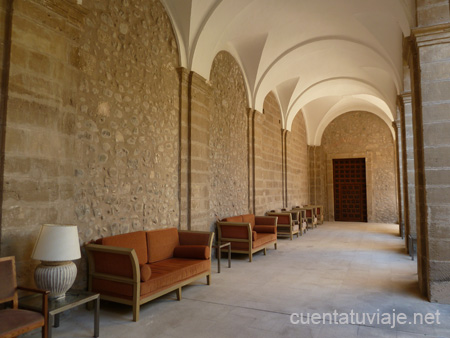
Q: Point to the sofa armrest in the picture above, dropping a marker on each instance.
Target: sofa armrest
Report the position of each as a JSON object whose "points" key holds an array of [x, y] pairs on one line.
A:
{"points": [[113, 263], [234, 231], [189, 237], [268, 229], [266, 220]]}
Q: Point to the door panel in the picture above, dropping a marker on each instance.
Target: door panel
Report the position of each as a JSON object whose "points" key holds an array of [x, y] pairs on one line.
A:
{"points": [[350, 192]]}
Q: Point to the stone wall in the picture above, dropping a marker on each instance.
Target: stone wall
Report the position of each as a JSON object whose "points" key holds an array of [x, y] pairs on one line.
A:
{"points": [[39, 144], [127, 126], [228, 144], [432, 12], [268, 158], [297, 164], [93, 122], [361, 134]]}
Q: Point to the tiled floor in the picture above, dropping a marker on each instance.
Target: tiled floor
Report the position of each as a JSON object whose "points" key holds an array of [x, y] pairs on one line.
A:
{"points": [[336, 268]]}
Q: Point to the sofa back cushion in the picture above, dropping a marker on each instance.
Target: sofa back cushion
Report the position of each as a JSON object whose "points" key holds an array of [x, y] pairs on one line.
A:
{"points": [[161, 244], [249, 218], [134, 240], [235, 219]]}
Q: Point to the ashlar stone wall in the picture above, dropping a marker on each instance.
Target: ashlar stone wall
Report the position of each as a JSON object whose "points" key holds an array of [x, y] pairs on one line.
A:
{"points": [[297, 164], [362, 134], [228, 143], [268, 157]]}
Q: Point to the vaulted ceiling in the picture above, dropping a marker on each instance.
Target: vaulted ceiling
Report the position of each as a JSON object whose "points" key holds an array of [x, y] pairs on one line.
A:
{"points": [[321, 57]]}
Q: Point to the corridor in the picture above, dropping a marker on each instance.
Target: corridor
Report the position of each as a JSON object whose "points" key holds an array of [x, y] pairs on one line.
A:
{"points": [[336, 268]]}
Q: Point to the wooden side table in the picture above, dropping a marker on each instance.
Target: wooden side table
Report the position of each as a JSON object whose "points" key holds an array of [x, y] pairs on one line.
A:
{"points": [[219, 253], [56, 306]]}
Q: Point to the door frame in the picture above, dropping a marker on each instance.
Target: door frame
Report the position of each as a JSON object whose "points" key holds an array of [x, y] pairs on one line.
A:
{"points": [[368, 155]]}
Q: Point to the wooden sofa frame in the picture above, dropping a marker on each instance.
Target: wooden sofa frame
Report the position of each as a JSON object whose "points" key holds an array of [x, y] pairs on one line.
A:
{"points": [[135, 281]]}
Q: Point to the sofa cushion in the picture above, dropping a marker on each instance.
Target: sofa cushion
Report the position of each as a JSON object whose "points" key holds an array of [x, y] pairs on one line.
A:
{"points": [[135, 240], [192, 251], [146, 272], [235, 219], [264, 239], [164, 274], [270, 229], [234, 231], [249, 218], [171, 271], [254, 235], [161, 244]]}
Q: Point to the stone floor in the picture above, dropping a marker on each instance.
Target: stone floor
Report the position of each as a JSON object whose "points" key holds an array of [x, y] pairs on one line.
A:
{"points": [[336, 268]]}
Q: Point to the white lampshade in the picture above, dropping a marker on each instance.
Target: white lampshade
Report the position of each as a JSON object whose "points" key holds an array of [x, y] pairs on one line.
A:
{"points": [[57, 243]]}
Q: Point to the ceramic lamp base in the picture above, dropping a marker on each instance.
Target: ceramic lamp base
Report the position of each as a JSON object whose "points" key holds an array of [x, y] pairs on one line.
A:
{"points": [[56, 277]]}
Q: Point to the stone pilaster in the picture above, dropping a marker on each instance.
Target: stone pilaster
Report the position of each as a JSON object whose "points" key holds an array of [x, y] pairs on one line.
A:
{"points": [[431, 100], [399, 167], [251, 159], [184, 149]]}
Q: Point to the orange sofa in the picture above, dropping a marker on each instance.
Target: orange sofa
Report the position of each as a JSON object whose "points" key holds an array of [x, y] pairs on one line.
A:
{"points": [[137, 267], [248, 233]]}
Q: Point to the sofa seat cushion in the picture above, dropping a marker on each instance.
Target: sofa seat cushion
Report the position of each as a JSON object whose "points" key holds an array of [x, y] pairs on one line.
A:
{"points": [[164, 274], [135, 240], [172, 271], [161, 244], [264, 239]]}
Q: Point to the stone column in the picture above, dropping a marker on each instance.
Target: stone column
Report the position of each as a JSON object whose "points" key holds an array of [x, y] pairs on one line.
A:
{"points": [[431, 99]]}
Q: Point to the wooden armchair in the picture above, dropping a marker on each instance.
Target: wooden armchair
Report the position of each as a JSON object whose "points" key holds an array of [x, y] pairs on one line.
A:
{"points": [[14, 322], [248, 233], [286, 225]]}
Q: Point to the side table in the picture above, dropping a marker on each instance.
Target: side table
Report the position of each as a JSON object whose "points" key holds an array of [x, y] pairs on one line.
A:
{"points": [[219, 253], [57, 306]]}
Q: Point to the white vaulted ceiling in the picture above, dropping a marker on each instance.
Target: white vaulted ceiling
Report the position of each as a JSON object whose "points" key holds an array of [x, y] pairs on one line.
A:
{"points": [[322, 57]]}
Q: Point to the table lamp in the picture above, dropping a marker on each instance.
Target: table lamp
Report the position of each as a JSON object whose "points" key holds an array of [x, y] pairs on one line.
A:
{"points": [[56, 247]]}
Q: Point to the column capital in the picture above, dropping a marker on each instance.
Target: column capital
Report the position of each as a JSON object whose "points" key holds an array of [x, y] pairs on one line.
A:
{"points": [[432, 35]]}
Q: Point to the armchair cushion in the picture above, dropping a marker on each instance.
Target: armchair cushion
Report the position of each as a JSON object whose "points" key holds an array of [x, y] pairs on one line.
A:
{"points": [[192, 251], [269, 229], [284, 219], [16, 321], [146, 272]]}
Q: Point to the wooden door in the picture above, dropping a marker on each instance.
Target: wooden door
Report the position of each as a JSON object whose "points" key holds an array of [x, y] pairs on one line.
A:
{"points": [[350, 197]]}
